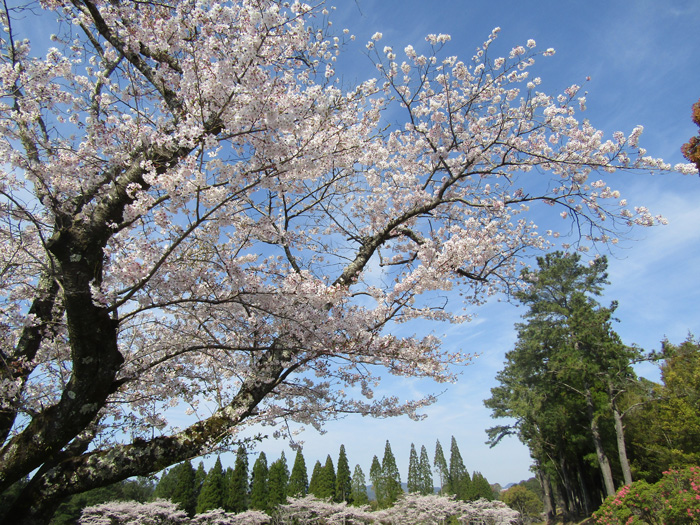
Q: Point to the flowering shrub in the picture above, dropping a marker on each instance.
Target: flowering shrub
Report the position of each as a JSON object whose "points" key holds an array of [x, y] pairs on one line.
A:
{"points": [[675, 499], [159, 512], [411, 508], [311, 509]]}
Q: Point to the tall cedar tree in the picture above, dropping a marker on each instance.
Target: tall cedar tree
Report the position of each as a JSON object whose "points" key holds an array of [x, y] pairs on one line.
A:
{"points": [[237, 497], [343, 487], [315, 482], [184, 491], [278, 478], [425, 476], [327, 481], [459, 480], [391, 476], [299, 480], [166, 484], [258, 484], [359, 487], [199, 476], [440, 465], [480, 488], [376, 478], [413, 481], [213, 494]]}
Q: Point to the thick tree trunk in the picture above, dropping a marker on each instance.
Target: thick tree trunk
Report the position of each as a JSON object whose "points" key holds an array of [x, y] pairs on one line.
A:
{"points": [[603, 461]]}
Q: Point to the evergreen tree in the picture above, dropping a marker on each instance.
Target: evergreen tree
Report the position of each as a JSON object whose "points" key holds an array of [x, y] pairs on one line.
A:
{"points": [[298, 485], [413, 482], [326, 488], [237, 496], [315, 482], [666, 431], [563, 381], [376, 478], [459, 480], [212, 495], [343, 487], [424, 475], [480, 488], [278, 477], [258, 484], [392, 478], [199, 477], [440, 465], [359, 487], [166, 484], [184, 490]]}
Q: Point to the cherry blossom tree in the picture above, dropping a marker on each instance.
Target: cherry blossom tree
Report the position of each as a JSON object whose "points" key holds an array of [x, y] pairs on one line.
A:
{"points": [[195, 215], [437, 509], [410, 508], [159, 512], [311, 509]]}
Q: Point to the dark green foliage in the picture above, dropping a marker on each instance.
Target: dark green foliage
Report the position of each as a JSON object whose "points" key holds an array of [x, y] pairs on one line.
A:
{"points": [[298, 481], [440, 465], [278, 477], [199, 477], [166, 484], [259, 493], [413, 481], [322, 483], [376, 478], [237, 486], [343, 486], [480, 488], [563, 382], [665, 430], [425, 477], [391, 476], [315, 482], [459, 480], [213, 493], [327, 482], [359, 487], [184, 490]]}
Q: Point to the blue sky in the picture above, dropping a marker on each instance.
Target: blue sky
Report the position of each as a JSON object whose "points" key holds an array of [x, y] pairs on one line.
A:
{"points": [[642, 60]]}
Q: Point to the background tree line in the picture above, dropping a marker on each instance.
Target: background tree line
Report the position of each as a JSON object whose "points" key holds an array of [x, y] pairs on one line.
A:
{"points": [[570, 387], [266, 486]]}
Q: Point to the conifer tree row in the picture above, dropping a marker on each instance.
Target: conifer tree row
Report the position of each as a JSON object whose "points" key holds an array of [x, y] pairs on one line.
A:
{"points": [[266, 487]]}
